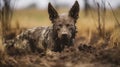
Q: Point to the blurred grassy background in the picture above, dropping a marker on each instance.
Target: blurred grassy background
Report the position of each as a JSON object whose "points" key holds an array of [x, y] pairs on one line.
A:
{"points": [[29, 18]]}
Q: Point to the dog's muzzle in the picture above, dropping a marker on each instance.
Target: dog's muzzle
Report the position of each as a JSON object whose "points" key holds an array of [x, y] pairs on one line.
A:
{"points": [[65, 35]]}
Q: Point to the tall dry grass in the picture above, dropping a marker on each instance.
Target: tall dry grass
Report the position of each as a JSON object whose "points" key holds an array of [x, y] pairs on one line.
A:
{"points": [[5, 18], [2, 53], [115, 38]]}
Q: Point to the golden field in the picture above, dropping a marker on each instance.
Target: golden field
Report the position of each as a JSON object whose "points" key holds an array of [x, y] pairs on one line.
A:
{"points": [[32, 17]]}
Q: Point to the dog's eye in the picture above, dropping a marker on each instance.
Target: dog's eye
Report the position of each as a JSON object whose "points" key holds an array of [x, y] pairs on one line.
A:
{"points": [[60, 25], [58, 29], [67, 25]]}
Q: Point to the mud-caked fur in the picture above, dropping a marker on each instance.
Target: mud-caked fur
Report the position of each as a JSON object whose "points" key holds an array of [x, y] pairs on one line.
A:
{"points": [[56, 37]]}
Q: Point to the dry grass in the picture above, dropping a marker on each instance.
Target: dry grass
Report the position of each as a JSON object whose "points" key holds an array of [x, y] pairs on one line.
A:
{"points": [[115, 38], [32, 18], [2, 53]]}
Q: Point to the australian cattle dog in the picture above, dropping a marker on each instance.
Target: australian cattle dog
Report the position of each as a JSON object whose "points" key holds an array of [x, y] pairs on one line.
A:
{"points": [[56, 37]]}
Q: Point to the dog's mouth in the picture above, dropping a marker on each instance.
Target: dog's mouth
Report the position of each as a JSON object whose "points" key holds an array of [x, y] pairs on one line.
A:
{"points": [[65, 38]]}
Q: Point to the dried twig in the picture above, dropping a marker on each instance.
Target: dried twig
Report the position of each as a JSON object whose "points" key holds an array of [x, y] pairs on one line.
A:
{"points": [[103, 18], [5, 18], [99, 21]]}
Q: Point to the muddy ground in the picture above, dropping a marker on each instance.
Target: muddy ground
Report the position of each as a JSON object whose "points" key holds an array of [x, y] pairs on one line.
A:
{"points": [[81, 55]]}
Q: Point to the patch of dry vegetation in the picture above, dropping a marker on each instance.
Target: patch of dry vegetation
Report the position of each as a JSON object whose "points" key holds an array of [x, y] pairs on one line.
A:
{"points": [[2, 54], [115, 38]]}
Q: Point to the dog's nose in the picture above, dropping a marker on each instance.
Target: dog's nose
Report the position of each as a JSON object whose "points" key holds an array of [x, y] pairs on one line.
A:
{"points": [[64, 35]]}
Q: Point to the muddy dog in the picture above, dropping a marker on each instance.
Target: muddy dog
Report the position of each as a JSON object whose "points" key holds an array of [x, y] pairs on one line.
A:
{"points": [[60, 34]]}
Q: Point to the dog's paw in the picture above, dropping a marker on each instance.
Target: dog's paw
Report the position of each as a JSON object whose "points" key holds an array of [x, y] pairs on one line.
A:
{"points": [[50, 53]]}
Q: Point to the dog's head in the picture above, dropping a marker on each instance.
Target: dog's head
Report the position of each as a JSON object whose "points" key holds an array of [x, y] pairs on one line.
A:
{"points": [[64, 24]]}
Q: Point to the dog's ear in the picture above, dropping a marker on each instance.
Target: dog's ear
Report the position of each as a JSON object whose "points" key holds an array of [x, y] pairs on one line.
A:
{"points": [[74, 11], [52, 12]]}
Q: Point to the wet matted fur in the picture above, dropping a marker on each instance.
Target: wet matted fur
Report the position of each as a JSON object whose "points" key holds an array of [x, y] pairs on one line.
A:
{"points": [[55, 38]]}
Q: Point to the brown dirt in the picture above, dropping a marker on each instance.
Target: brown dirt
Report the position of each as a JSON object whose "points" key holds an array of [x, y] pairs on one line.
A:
{"points": [[78, 56]]}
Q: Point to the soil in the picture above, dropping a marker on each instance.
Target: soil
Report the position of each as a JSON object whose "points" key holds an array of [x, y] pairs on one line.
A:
{"points": [[75, 56]]}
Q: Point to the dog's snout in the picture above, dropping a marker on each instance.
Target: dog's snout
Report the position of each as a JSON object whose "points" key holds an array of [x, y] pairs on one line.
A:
{"points": [[64, 34]]}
